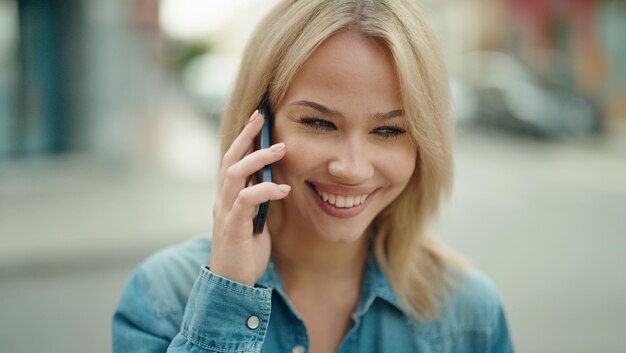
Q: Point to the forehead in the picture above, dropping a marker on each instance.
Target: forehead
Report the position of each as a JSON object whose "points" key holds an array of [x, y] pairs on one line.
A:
{"points": [[348, 69]]}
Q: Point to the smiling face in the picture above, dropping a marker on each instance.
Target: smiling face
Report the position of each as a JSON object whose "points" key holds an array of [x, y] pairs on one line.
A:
{"points": [[349, 154]]}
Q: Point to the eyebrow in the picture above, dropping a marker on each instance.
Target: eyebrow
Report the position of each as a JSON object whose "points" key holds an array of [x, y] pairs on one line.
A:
{"points": [[332, 112]]}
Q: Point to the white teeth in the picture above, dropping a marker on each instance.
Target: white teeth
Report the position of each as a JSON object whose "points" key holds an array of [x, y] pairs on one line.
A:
{"points": [[343, 201]]}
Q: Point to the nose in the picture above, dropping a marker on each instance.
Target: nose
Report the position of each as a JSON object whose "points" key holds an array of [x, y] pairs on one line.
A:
{"points": [[352, 163]]}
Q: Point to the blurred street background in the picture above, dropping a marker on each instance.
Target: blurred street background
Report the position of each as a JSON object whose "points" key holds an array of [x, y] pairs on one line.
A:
{"points": [[109, 133]]}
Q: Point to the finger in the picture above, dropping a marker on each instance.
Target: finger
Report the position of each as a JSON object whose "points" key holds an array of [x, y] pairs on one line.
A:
{"points": [[217, 205], [238, 174], [223, 171], [243, 142], [240, 218]]}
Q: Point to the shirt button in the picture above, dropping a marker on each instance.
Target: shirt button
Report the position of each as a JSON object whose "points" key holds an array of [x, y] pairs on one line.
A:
{"points": [[298, 349], [253, 322]]}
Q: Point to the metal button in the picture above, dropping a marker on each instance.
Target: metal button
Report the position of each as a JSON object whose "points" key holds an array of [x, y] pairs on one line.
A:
{"points": [[253, 322], [298, 349]]}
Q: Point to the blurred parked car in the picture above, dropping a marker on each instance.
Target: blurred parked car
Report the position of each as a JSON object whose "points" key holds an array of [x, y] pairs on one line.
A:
{"points": [[497, 91]]}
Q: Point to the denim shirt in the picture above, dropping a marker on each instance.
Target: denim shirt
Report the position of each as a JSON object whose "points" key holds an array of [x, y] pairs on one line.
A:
{"points": [[173, 303]]}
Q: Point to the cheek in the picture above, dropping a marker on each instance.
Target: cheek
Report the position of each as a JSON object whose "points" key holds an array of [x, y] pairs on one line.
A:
{"points": [[301, 156], [398, 167]]}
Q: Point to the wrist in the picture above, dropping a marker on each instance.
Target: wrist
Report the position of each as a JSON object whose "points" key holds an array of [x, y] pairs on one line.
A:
{"points": [[229, 276]]}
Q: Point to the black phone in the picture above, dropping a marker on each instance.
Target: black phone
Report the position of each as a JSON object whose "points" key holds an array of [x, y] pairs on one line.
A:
{"points": [[265, 174]]}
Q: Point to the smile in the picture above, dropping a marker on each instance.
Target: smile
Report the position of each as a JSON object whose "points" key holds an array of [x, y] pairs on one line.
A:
{"points": [[342, 201]]}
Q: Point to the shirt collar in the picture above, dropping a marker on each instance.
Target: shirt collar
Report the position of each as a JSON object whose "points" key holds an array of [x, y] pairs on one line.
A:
{"points": [[271, 278], [375, 285]]}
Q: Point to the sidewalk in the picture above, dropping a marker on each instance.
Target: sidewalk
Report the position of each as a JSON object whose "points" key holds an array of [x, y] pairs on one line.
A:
{"points": [[63, 212]]}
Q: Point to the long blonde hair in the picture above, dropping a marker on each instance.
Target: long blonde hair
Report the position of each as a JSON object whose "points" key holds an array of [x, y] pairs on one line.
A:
{"points": [[417, 265]]}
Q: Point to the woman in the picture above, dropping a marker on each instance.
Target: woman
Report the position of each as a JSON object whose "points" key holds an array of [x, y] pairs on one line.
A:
{"points": [[361, 159]]}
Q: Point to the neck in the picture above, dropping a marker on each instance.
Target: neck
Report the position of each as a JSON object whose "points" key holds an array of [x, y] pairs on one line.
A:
{"points": [[305, 257]]}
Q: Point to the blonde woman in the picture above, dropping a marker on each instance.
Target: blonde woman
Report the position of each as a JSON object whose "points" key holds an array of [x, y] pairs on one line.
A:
{"points": [[361, 159]]}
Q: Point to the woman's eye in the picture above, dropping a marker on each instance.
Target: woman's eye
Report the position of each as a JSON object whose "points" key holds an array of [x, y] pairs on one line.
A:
{"points": [[388, 132], [318, 124]]}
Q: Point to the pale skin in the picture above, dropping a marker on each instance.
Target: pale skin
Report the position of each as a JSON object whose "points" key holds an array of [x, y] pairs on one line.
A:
{"points": [[340, 130]]}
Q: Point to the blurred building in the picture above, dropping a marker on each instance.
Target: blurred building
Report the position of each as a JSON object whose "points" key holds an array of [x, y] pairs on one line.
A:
{"points": [[73, 73], [78, 75]]}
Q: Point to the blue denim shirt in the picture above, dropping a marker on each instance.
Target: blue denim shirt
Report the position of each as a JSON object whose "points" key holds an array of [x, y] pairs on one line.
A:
{"points": [[173, 303]]}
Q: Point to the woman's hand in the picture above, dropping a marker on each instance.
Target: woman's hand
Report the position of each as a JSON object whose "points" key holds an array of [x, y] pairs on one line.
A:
{"points": [[237, 253]]}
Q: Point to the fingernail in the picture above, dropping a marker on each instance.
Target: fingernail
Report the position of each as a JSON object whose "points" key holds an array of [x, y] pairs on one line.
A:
{"points": [[284, 188], [278, 147], [254, 116]]}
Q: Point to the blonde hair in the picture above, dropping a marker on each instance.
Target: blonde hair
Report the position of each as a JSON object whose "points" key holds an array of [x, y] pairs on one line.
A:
{"points": [[418, 266]]}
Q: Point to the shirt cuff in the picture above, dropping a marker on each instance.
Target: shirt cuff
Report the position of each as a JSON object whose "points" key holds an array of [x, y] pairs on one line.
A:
{"points": [[223, 315]]}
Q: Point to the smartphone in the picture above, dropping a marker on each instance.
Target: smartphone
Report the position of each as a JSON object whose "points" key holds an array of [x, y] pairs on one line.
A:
{"points": [[265, 174]]}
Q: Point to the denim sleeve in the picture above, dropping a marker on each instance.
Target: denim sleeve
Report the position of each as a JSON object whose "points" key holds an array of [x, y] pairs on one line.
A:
{"points": [[215, 318], [500, 340], [138, 322]]}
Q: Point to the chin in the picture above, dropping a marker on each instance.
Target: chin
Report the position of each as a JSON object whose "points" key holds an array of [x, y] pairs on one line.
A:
{"points": [[340, 235]]}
